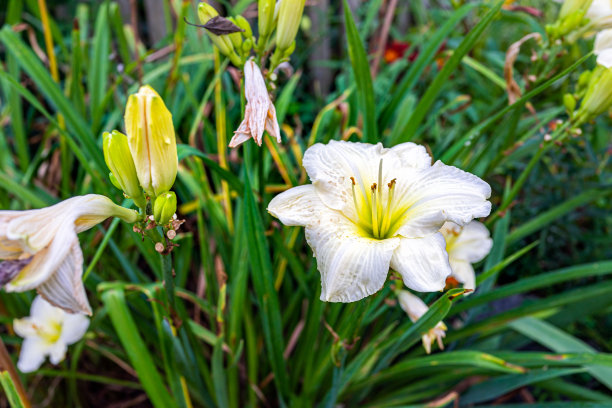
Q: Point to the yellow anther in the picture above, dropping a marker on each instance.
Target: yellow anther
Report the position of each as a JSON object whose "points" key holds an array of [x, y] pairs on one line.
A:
{"points": [[373, 187]]}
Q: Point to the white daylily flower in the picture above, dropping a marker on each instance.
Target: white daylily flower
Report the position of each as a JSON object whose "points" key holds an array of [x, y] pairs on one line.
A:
{"points": [[466, 246], [370, 208], [41, 250], [259, 113], [415, 308], [48, 331]]}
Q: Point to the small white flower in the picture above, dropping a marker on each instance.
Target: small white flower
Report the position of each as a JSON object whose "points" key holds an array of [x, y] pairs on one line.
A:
{"points": [[370, 208], [415, 308], [41, 250], [48, 331], [259, 113], [466, 246]]}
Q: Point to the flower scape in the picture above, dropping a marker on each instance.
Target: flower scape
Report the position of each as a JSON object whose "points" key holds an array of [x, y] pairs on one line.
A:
{"points": [[281, 203]]}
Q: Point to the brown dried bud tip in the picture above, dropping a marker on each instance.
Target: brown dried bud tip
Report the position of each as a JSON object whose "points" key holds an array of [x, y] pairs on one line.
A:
{"points": [[159, 247], [171, 234]]}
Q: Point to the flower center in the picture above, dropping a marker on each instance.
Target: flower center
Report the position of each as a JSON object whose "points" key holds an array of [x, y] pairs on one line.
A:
{"points": [[49, 332], [378, 214]]}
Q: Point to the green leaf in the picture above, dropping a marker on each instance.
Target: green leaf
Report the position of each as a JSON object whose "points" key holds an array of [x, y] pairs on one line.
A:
{"points": [[125, 327], [233, 181], [10, 390], [556, 339], [263, 281], [363, 77], [418, 66], [496, 387], [450, 66]]}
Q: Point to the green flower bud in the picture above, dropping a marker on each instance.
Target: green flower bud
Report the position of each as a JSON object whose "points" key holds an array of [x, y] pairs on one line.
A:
{"points": [[119, 160], [247, 45], [152, 141], [164, 207], [570, 103], [114, 181], [235, 38], [289, 16], [265, 20], [244, 24], [598, 97], [222, 42]]}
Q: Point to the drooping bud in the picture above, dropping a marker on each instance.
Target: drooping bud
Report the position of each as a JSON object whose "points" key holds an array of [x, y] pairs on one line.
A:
{"points": [[151, 140], [598, 97], [289, 17], [164, 208], [119, 161], [222, 42]]}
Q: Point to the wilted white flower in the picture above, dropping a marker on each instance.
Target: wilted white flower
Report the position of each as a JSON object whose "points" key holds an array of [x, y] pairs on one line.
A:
{"points": [[48, 331], [465, 246], [259, 113], [370, 208], [41, 250], [415, 308]]}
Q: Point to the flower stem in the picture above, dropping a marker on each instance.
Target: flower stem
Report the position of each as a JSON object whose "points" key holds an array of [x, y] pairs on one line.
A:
{"points": [[166, 264]]}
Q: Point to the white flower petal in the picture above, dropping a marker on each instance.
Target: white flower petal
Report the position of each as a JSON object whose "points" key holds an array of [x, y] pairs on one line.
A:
{"points": [[57, 352], [24, 327], [44, 263], [64, 289], [351, 266], [297, 206], [412, 155], [472, 244], [331, 166], [32, 355], [43, 311], [74, 328], [605, 58], [464, 273], [422, 262], [438, 194], [599, 9], [603, 41]]}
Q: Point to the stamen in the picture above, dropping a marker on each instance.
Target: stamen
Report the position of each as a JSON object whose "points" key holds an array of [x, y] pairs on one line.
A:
{"points": [[389, 209], [355, 197], [375, 229]]}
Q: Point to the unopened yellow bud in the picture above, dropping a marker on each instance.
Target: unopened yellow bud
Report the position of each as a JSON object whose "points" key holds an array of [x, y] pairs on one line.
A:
{"points": [[572, 6], [119, 161], [265, 19], [164, 207], [222, 42], [151, 139], [289, 16]]}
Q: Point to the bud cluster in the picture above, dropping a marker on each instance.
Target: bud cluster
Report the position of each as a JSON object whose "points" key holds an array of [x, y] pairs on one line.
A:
{"points": [[144, 163], [278, 24]]}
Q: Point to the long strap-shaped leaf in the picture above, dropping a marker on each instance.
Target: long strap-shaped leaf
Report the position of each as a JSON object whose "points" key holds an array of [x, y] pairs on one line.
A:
{"points": [[114, 300], [363, 77], [450, 66], [262, 277]]}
